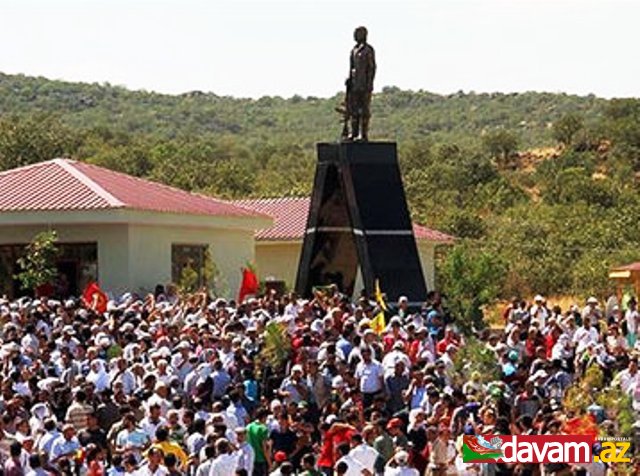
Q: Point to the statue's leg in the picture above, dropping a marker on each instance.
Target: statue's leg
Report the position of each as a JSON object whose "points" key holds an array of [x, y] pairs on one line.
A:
{"points": [[355, 126], [366, 114], [365, 128]]}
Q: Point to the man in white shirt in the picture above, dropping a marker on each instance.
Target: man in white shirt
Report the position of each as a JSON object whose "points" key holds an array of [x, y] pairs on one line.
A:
{"points": [[245, 453], [122, 374], [225, 462], [628, 377], [539, 312], [632, 316], [584, 336], [152, 421], [354, 467], [153, 466], [396, 355], [361, 449], [370, 375]]}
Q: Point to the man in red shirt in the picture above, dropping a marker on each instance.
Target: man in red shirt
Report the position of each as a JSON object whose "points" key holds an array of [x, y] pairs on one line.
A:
{"points": [[335, 434]]}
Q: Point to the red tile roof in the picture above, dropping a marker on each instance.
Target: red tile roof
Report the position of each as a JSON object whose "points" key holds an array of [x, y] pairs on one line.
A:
{"points": [[290, 220], [628, 267], [67, 185]]}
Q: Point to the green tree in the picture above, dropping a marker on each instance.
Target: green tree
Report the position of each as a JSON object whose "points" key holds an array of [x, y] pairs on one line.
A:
{"points": [[32, 139], [38, 265], [564, 130], [472, 278], [188, 280], [501, 145], [475, 361]]}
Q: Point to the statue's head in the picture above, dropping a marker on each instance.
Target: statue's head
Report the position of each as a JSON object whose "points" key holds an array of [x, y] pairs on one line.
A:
{"points": [[360, 35]]}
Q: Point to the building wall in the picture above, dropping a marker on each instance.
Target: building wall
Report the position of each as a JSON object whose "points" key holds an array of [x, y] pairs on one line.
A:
{"points": [[151, 248], [137, 257], [280, 261], [113, 247], [426, 250]]}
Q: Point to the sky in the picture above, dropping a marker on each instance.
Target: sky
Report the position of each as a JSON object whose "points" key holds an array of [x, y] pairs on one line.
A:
{"points": [[254, 48]]}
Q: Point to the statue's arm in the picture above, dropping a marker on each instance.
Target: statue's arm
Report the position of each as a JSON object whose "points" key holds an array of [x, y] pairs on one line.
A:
{"points": [[372, 68]]}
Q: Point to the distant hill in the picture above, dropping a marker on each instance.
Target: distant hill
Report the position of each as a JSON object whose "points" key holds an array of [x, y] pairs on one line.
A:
{"points": [[397, 114], [541, 189]]}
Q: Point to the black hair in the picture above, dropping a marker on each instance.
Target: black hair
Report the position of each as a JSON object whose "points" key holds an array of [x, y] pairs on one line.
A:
{"points": [[286, 469], [15, 449], [170, 460]]}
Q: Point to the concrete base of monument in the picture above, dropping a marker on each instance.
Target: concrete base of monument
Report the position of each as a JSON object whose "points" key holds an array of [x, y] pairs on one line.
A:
{"points": [[358, 219]]}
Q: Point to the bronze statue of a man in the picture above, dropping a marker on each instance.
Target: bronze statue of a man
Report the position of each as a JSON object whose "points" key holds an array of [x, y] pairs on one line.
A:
{"points": [[362, 70]]}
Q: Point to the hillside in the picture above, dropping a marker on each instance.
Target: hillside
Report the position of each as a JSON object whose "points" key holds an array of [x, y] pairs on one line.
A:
{"points": [[541, 188], [398, 114]]}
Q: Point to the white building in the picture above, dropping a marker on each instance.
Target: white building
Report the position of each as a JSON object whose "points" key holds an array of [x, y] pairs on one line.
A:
{"points": [[128, 233]]}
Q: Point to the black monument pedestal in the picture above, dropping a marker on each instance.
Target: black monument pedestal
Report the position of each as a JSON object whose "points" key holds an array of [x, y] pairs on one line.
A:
{"points": [[359, 216]]}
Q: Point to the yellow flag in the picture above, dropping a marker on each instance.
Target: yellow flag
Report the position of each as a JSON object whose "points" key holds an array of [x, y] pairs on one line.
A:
{"points": [[378, 296], [377, 324]]}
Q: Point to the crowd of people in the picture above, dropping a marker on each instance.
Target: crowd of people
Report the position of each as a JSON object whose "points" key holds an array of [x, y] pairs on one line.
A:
{"points": [[164, 385]]}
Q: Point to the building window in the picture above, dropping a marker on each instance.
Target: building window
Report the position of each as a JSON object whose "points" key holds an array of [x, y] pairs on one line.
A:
{"points": [[77, 265], [188, 263]]}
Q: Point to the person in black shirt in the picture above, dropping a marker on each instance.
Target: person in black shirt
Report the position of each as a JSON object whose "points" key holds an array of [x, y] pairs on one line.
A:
{"points": [[284, 438], [93, 434]]}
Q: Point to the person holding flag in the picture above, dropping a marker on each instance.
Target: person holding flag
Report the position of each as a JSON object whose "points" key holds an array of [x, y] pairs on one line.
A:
{"points": [[378, 323], [249, 285], [95, 298]]}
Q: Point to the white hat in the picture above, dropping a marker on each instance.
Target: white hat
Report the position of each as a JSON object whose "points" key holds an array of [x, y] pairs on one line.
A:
{"points": [[402, 299], [330, 419], [401, 458], [592, 300], [183, 344], [317, 326], [538, 298], [538, 375], [337, 382]]}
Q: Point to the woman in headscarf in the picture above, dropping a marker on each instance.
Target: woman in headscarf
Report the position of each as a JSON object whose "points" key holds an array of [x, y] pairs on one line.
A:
{"points": [[98, 376], [39, 413]]}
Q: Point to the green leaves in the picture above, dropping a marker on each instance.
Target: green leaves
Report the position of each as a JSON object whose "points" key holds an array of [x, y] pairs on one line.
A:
{"points": [[38, 265]]}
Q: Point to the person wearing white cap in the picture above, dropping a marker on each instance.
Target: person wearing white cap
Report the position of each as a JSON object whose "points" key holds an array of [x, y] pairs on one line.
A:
{"points": [[539, 312], [67, 339], [591, 311], [396, 355], [562, 349], [403, 307], [293, 388], [399, 465], [180, 360], [159, 398]]}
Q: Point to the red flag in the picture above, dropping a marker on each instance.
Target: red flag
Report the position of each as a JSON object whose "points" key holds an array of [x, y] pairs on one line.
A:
{"points": [[249, 284], [582, 425], [95, 298]]}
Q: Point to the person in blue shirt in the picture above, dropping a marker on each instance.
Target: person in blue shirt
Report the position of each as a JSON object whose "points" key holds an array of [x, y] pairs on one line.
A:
{"points": [[66, 445]]}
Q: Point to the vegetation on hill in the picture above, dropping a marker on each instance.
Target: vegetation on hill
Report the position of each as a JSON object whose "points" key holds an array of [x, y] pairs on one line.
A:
{"points": [[541, 189]]}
